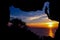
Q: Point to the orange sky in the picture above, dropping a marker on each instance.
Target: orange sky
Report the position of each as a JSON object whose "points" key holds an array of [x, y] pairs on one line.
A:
{"points": [[52, 24]]}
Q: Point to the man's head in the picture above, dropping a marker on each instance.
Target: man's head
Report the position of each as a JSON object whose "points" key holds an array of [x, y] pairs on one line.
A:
{"points": [[54, 12]]}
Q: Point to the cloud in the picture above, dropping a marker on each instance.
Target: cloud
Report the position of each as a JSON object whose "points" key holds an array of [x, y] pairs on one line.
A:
{"points": [[33, 18], [11, 16], [36, 17], [19, 17], [39, 18]]}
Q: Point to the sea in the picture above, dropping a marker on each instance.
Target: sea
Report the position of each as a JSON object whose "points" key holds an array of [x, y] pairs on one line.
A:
{"points": [[43, 31]]}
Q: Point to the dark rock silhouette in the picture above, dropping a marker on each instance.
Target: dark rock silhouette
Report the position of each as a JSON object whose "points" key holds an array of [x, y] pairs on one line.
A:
{"points": [[15, 27], [46, 38], [18, 25], [24, 31]]}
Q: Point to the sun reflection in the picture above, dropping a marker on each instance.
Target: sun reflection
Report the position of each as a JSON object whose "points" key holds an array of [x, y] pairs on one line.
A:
{"points": [[50, 25], [51, 33]]}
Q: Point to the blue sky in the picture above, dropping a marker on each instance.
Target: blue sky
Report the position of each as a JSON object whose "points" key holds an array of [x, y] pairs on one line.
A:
{"points": [[31, 16]]}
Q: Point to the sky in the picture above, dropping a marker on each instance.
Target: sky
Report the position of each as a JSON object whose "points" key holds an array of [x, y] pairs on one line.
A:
{"points": [[35, 17], [31, 16]]}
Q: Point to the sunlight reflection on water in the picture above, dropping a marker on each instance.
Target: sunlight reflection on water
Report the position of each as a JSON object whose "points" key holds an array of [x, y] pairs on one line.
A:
{"points": [[51, 34]]}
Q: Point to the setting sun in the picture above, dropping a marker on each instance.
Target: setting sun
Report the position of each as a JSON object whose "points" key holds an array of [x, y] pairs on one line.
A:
{"points": [[50, 24]]}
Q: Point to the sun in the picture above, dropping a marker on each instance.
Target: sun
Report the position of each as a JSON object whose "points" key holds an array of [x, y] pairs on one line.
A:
{"points": [[50, 24]]}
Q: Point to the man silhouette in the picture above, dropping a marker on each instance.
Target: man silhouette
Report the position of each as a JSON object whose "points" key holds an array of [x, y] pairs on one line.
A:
{"points": [[27, 6]]}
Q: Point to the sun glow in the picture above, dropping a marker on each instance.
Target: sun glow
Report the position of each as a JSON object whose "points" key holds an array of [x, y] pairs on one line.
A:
{"points": [[50, 24]]}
